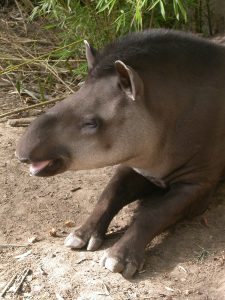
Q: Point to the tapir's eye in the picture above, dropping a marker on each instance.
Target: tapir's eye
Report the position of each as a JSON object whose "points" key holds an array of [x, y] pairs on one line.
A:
{"points": [[90, 124]]}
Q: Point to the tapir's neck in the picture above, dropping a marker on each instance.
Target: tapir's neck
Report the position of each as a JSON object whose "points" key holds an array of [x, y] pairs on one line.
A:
{"points": [[152, 141], [151, 177], [147, 144]]}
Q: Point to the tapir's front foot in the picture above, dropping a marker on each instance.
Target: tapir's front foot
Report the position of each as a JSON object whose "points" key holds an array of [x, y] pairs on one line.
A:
{"points": [[160, 209], [88, 237], [125, 257], [155, 214], [125, 187]]}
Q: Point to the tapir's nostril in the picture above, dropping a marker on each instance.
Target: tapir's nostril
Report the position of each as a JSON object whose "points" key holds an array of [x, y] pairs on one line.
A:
{"points": [[24, 160]]}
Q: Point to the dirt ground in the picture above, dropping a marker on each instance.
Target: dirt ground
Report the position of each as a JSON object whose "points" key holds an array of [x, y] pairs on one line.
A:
{"points": [[186, 262]]}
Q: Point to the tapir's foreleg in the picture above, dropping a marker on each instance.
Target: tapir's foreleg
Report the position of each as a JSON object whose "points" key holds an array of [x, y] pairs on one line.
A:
{"points": [[125, 187], [155, 214]]}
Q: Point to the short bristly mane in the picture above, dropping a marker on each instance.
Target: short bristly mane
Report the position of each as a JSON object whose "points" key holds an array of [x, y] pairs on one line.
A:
{"points": [[136, 49]]}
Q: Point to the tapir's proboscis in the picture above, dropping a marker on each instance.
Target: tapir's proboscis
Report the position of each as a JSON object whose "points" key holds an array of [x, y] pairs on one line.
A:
{"points": [[154, 104]]}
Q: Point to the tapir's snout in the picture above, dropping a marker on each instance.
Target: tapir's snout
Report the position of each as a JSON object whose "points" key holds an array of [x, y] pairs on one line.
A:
{"points": [[42, 148]]}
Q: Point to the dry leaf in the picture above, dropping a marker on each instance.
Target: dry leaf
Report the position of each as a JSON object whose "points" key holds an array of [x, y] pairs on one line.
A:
{"points": [[24, 255], [169, 289], [69, 224], [204, 221], [32, 240], [58, 297], [53, 232]]}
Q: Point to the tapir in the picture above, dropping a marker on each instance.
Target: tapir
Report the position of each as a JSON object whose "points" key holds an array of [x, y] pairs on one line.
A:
{"points": [[153, 103]]}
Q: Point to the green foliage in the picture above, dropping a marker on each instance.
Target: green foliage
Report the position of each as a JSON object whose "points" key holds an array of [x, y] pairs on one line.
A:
{"points": [[75, 19], [100, 21]]}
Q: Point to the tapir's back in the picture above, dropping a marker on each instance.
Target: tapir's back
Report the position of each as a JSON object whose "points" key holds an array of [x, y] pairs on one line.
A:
{"points": [[180, 71], [158, 48]]}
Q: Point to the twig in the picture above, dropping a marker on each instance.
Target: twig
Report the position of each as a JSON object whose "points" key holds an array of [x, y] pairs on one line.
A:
{"points": [[13, 68], [23, 277], [82, 260], [51, 69], [111, 235], [41, 60], [23, 122], [12, 245], [15, 111], [208, 9], [11, 81], [25, 40], [8, 285], [28, 3], [21, 13]]}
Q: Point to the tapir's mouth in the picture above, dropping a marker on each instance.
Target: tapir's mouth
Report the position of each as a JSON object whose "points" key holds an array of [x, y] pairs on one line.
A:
{"points": [[37, 167], [47, 167]]}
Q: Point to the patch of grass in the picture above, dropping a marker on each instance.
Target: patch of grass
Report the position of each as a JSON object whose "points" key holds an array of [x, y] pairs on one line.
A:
{"points": [[202, 254]]}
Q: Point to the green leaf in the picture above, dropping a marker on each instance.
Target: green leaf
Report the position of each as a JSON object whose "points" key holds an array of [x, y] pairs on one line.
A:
{"points": [[138, 17], [175, 7], [162, 10], [154, 4], [121, 20], [18, 86], [182, 9], [34, 13]]}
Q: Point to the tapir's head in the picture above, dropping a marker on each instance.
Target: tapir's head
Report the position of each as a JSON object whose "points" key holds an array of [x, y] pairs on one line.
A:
{"points": [[95, 127]]}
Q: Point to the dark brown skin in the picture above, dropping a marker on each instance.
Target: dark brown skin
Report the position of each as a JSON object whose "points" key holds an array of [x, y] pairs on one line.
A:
{"points": [[154, 103]]}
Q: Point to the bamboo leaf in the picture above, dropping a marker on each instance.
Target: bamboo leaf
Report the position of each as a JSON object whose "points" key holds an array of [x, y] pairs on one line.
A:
{"points": [[154, 4], [162, 10], [182, 9]]}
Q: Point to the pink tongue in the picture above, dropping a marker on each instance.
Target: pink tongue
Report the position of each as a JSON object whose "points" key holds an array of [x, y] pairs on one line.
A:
{"points": [[38, 166]]}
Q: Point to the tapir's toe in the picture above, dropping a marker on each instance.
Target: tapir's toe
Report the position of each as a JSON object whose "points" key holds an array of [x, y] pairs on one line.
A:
{"points": [[94, 243], [127, 264], [74, 241], [129, 270], [112, 264]]}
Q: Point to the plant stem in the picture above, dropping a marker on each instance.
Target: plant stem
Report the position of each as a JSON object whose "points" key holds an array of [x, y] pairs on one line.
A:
{"points": [[15, 111], [13, 68]]}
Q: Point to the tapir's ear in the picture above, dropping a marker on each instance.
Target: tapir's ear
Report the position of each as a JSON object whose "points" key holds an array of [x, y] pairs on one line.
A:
{"points": [[129, 80], [90, 54]]}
